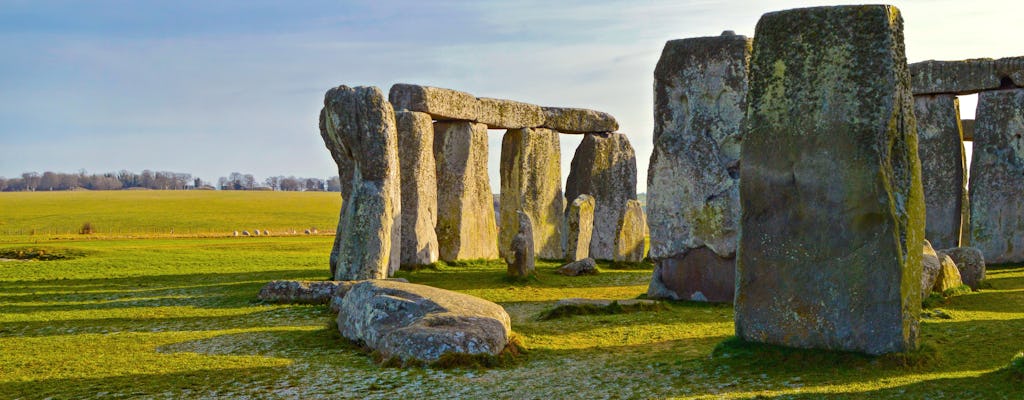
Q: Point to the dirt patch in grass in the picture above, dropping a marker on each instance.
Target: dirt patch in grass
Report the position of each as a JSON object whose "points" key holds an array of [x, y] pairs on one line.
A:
{"points": [[40, 254]]}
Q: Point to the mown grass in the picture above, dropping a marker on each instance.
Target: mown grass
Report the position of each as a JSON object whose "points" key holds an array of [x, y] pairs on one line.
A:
{"points": [[177, 318]]}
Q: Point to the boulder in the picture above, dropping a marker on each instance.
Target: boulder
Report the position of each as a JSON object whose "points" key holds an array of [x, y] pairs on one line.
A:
{"points": [[343, 287], [632, 230], [931, 266], [943, 167], [531, 182], [971, 264], [579, 222], [997, 177], [465, 228], [508, 114], [832, 210], [578, 120], [966, 76], [299, 292], [360, 124], [948, 276], [419, 188], [604, 166], [521, 255], [416, 322], [693, 180], [586, 266], [441, 104]]}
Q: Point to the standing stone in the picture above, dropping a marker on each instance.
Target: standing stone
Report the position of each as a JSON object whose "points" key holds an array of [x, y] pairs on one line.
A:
{"points": [[943, 167], [346, 167], [604, 166], [520, 258], [997, 177], [360, 124], [632, 229], [465, 205], [579, 227], [832, 218], [693, 180], [419, 187], [531, 182]]}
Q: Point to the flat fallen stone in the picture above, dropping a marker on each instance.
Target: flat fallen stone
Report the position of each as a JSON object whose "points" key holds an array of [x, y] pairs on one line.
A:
{"points": [[440, 103], [943, 167], [422, 323], [832, 218], [419, 188], [997, 177], [300, 292], [531, 182], [604, 166], [966, 76], [466, 228], [508, 114], [578, 301], [586, 266], [578, 120]]}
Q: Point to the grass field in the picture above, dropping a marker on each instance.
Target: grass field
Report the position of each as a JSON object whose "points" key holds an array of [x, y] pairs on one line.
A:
{"points": [[176, 318]]}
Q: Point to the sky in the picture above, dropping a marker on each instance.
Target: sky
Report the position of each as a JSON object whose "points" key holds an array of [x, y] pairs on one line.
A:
{"points": [[214, 87]]}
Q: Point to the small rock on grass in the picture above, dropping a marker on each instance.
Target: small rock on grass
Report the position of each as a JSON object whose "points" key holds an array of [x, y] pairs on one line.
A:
{"points": [[586, 266]]}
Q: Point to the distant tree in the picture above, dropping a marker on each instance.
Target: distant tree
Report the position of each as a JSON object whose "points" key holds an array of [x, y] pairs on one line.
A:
{"points": [[72, 181], [3, 184], [31, 180], [314, 184], [273, 182], [334, 184], [48, 181]]}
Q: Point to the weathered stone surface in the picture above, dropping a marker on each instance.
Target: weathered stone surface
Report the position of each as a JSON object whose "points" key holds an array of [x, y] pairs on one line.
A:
{"points": [[342, 289], [419, 187], [931, 266], [360, 125], [508, 114], [948, 276], [971, 264], [346, 166], [967, 126], [521, 255], [997, 177], [299, 292], [416, 322], [604, 166], [700, 85], [943, 167], [579, 222], [440, 103], [586, 266], [465, 205], [832, 218], [578, 120], [632, 229], [531, 182], [966, 76]]}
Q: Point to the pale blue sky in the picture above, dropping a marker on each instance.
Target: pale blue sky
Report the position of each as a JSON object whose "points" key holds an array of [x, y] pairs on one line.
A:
{"points": [[211, 87]]}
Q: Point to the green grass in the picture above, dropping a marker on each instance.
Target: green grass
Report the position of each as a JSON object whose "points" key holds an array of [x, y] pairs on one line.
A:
{"points": [[177, 318]]}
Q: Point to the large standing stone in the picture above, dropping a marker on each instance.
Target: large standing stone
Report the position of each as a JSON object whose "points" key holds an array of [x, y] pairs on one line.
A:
{"points": [[465, 205], [700, 86], [419, 187], [360, 124], [417, 322], [604, 166], [346, 166], [943, 167], [440, 103], [521, 255], [579, 222], [531, 182], [632, 229], [832, 218], [997, 177]]}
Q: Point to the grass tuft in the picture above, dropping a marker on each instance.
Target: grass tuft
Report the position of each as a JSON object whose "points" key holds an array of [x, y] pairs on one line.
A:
{"points": [[1016, 367]]}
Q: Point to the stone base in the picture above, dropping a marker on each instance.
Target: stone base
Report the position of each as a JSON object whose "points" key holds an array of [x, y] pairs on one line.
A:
{"points": [[699, 275]]}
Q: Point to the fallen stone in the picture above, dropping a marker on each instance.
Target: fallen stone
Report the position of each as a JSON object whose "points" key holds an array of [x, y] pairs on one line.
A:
{"points": [[531, 182], [603, 302], [943, 167], [966, 76], [466, 229], [632, 229], [579, 227], [508, 114], [419, 188], [604, 166], [997, 177], [971, 264], [579, 306], [578, 120], [521, 255], [416, 322], [360, 124], [931, 267], [299, 292], [344, 287], [948, 276], [832, 218], [586, 266], [441, 104], [693, 180]]}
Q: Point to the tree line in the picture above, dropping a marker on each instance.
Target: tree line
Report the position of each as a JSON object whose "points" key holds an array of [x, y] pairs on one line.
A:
{"points": [[159, 180]]}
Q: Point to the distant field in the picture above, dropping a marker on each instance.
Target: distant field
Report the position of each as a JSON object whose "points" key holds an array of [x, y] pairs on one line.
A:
{"points": [[162, 212]]}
